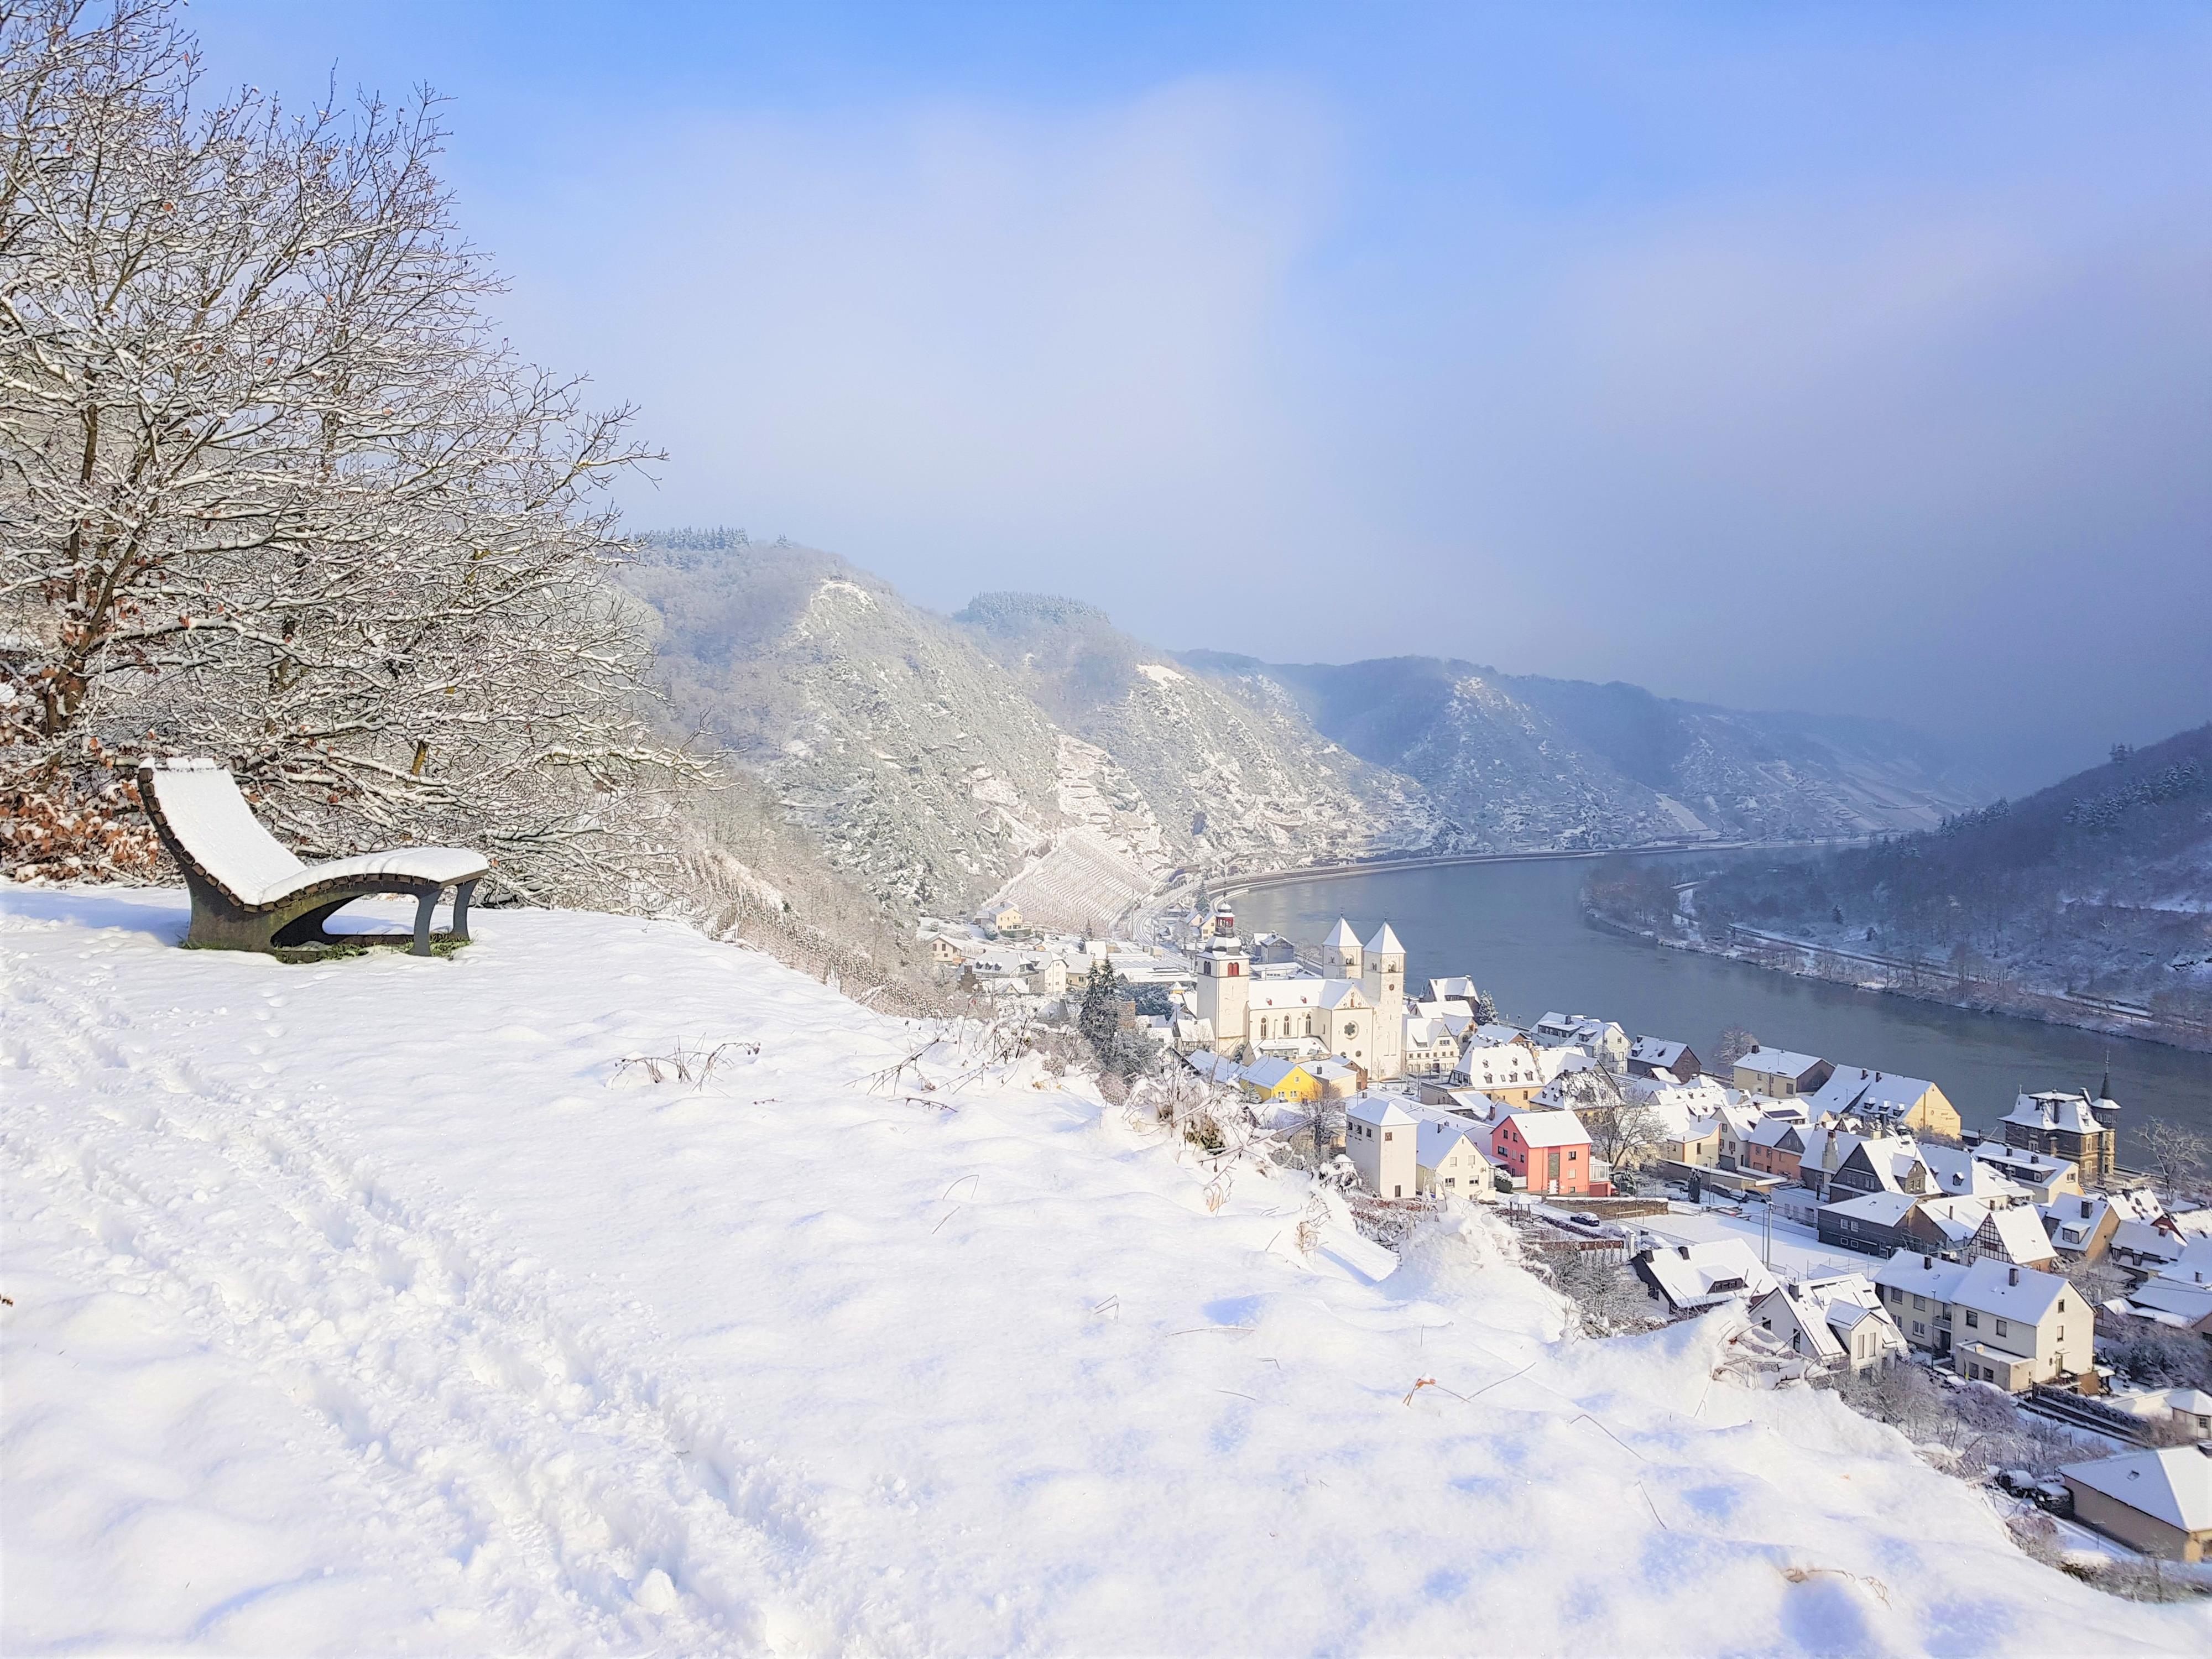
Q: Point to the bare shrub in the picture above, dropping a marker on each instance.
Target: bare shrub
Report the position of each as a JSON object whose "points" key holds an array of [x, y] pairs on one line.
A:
{"points": [[1609, 1299]]}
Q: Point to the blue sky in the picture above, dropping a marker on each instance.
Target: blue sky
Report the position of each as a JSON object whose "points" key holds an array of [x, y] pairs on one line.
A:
{"points": [[1855, 359]]}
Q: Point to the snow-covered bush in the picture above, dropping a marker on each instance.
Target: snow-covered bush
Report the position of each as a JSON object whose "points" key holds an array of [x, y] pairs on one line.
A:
{"points": [[1609, 1299], [1969, 1429], [2159, 1359], [1457, 1250]]}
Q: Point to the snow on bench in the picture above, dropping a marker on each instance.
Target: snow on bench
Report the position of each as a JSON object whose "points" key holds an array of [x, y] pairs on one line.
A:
{"points": [[250, 892]]}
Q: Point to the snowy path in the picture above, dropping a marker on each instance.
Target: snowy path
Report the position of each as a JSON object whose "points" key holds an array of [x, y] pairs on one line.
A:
{"points": [[354, 1310], [475, 1414]]}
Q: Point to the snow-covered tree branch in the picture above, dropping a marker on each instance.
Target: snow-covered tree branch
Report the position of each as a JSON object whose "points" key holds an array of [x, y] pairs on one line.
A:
{"points": [[271, 488]]}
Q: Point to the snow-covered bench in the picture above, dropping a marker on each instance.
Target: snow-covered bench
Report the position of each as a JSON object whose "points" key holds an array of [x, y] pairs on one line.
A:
{"points": [[250, 893]]}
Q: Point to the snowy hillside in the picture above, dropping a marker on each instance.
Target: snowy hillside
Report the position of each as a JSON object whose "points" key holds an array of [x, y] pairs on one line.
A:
{"points": [[364, 1306]]}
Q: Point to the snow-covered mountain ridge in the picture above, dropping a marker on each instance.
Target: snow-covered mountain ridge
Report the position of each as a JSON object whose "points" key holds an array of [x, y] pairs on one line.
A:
{"points": [[936, 759], [375, 1305]]}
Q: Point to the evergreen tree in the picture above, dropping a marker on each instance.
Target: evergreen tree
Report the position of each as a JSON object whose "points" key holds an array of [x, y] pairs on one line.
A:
{"points": [[1100, 1018]]}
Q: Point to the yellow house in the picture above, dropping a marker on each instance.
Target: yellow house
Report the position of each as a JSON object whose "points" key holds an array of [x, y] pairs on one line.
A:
{"points": [[1281, 1079]]}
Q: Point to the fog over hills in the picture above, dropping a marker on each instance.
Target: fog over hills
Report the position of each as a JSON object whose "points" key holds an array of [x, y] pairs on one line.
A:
{"points": [[1025, 740], [1522, 760], [2100, 885]]}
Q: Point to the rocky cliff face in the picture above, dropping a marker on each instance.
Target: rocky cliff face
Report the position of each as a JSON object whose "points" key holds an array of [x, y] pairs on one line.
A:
{"points": [[1028, 741], [1232, 770], [924, 772]]}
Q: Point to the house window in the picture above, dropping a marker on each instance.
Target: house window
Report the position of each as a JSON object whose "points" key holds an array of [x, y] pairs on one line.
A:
{"points": [[2003, 1329], [1397, 1192], [1387, 1134], [1973, 1318], [1919, 1304], [1919, 1329]]}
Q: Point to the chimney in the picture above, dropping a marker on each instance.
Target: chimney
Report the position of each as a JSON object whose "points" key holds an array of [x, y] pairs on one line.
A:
{"points": [[1928, 1263], [2012, 1275], [2085, 1209]]}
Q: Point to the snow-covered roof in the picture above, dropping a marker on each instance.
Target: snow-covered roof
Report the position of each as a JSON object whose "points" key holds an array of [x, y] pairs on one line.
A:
{"points": [[2139, 1238], [2171, 1301], [1919, 1273], [1700, 1275], [2020, 1232], [1848, 1300], [1217, 1068], [1385, 942], [2054, 1109], [2174, 1484], [1657, 1051], [1777, 1132], [1548, 1128], [1955, 1174], [1810, 1318], [1455, 987], [1886, 1208], [1439, 1133], [1342, 938], [1997, 1287], [1271, 1073], [1871, 1094], [1957, 1218], [1378, 1110], [1498, 1032], [1779, 1062], [2020, 1160]]}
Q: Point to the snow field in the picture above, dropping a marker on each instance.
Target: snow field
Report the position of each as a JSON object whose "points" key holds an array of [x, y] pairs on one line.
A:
{"points": [[361, 1307]]}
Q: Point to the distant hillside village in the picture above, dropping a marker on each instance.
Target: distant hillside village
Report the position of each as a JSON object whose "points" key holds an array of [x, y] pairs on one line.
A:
{"points": [[1846, 1206]]}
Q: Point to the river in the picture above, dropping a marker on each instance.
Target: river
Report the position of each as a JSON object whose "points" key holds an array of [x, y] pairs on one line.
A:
{"points": [[1517, 930]]}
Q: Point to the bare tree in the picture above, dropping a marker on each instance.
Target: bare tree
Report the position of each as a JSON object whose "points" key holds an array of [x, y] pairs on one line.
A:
{"points": [[2180, 1156], [271, 488], [1624, 1136], [1734, 1044]]}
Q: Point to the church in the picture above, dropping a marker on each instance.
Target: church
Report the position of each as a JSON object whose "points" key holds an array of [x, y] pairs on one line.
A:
{"points": [[1354, 1007]]}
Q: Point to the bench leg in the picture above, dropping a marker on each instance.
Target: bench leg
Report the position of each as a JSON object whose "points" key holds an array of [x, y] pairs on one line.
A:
{"points": [[462, 894], [423, 908]]}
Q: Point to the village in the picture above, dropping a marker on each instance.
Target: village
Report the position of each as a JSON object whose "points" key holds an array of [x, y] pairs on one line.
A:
{"points": [[1845, 1211]]}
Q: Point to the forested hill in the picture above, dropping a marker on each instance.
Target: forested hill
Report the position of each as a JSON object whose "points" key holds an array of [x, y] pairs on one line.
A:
{"points": [[937, 760], [2100, 885]]}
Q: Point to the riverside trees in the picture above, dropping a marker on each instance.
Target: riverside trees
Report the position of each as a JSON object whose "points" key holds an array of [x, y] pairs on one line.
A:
{"points": [[272, 489]]}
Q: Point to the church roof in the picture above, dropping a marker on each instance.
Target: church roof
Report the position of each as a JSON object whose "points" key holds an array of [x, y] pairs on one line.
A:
{"points": [[1342, 938], [1385, 940]]}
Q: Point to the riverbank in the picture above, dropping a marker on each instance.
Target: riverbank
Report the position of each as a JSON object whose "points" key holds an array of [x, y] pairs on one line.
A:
{"points": [[1518, 929], [1920, 982]]}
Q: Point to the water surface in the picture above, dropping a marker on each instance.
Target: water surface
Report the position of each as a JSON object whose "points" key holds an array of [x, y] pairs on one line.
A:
{"points": [[1517, 929]]}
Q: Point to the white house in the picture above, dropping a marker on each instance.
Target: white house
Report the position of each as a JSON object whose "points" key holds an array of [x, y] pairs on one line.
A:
{"points": [[1448, 1159], [1838, 1320], [2013, 1327], [1379, 1135], [1602, 1040]]}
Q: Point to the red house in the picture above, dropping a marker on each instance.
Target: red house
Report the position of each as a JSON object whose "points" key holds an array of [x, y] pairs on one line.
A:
{"points": [[1546, 1151]]}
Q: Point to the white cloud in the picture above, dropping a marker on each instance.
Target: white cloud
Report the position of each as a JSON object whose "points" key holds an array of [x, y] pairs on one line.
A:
{"points": [[947, 336]]}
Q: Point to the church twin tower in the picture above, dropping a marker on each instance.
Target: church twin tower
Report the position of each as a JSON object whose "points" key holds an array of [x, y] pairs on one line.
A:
{"points": [[1355, 1007]]}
